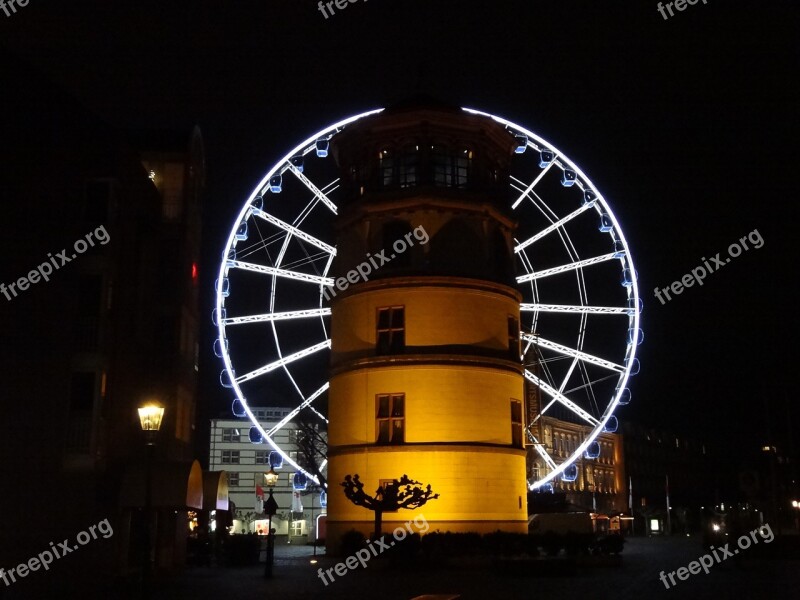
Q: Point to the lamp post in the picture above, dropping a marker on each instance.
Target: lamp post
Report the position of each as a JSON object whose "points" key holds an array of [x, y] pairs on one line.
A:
{"points": [[150, 417], [270, 508]]}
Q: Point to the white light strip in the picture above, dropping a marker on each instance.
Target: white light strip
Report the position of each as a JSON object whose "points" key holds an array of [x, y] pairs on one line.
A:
{"points": [[305, 403], [298, 233], [542, 452], [280, 316], [283, 361], [589, 358], [573, 308], [564, 268], [246, 266], [551, 228], [554, 393], [318, 193], [533, 185]]}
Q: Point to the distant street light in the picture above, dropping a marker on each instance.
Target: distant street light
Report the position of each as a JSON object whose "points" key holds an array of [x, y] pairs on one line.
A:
{"points": [[150, 417], [270, 509]]}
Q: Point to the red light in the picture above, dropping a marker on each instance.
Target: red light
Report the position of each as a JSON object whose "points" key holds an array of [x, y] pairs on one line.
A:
{"points": [[194, 272]]}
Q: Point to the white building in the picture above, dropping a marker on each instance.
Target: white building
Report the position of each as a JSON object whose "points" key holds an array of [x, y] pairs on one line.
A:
{"points": [[246, 463]]}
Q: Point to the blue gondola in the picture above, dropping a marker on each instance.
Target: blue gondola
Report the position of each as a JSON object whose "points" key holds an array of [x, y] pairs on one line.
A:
{"points": [[611, 425], [218, 315], [639, 338], [635, 366], [255, 436], [568, 178], [323, 499], [225, 379], [589, 197], [592, 450], [237, 408], [605, 223], [299, 481], [635, 304], [522, 143], [241, 232], [570, 473], [224, 287], [545, 158], [231, 254], [628, 277], [258, 203], [220, 347], [322, 148], [297, 162], [275, 460], [275, 184], [619, 249], [625, 397]]}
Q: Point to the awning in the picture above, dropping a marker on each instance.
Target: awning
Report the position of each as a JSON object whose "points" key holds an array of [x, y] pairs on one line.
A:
{"points": [[215, 490], [176, 485]]}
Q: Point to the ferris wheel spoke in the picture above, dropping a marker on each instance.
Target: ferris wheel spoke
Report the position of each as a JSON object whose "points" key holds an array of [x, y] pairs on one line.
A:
{"points": [[529, 189], [556, 395], [541, 451], [246, 266], [280, 316], [574, 308], [294, 231], [281, 362], [566, 350], [564, 268], [552, 227], [318, 193], [297, 410]]}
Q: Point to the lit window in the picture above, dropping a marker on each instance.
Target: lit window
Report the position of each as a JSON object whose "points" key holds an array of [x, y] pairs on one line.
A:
{"points": [[390, 418], [230, 435], [230, 457], [391, 330]]}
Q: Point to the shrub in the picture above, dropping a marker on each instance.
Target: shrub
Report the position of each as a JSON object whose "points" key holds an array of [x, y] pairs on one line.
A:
{"points": [[611, 544], [352, 542]]}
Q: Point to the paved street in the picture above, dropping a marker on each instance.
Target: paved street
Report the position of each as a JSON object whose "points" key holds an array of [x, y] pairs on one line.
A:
{"points": [[643, 559], [751, 574]]}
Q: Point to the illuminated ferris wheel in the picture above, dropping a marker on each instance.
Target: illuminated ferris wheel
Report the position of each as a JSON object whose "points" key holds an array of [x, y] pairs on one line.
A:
{"points": [[580, 308]]}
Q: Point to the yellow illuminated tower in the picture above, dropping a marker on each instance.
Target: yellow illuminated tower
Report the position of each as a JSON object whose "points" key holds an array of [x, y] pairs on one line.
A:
{"points": [[426, 377]]}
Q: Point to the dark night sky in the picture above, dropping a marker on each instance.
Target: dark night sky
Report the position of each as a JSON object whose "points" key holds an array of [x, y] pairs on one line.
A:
{"points": [[688, 126]]}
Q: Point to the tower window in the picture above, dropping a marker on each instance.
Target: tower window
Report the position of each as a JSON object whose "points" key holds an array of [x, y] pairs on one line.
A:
{"points": [[390, 418], [516, 423], [408, 167], [391, 330], [386, 167], [451, 169], [513, 337]]}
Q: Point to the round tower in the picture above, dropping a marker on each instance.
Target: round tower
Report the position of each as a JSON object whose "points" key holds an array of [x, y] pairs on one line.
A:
{"points": [[426, 378]]}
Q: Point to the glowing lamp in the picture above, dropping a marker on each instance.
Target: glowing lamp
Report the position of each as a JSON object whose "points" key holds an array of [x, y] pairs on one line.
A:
{"points": [[150, 417], [270, 478]]}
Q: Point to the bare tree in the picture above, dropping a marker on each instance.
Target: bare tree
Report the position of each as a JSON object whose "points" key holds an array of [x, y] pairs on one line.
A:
{"points": [[389, 498], [312, 447]]}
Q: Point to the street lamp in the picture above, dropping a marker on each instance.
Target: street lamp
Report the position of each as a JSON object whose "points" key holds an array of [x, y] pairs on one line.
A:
{"points": [[270, 508], [150, 417]]}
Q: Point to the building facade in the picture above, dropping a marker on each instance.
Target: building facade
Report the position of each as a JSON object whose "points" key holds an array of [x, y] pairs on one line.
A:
{"points": [[245, 464], [425, 373], [88, 346]]}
